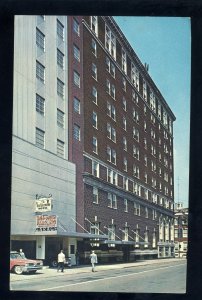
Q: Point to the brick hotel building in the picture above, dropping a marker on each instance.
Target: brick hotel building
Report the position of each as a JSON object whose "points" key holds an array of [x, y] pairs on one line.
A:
{"points": [[87, 110]]}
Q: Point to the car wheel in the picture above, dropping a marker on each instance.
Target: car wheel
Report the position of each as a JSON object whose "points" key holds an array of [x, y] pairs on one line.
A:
{"points": [[54, 263], [18, 270]]}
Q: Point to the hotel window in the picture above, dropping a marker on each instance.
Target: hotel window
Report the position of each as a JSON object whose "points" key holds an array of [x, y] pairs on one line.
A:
{"points": [[125, 237], [145, 160], [154, 214], [124, 63], [135, 116], [111, 132], [60, 30], [60, 88], [124, 123], [125, 183], [136, 171], [94, 94], [40, 72], [145, 126], [153, 182], [124, 143], [95, 148], [94, 119], [94, 71], [146, 194], [137, 189], [110, 89], [153, 150], [136, 209], [95, 169], [145, 143], [153, 134], [40, 104], [112, 201], [95, 195], [153, 166], [146, 237], [111, 232], [125, 164], [76, 26], [144, 90], [60, 59], [165, 118], [111, 111], [154, 239], [40, 138], [137, 237], [146, 213], [76, 79], [145, 110], [95, 229], [135, 76], [60, 118], [125, 205], [159, 111], [160, 171], [110, 42], [111, 155], [40, 39], [76, 53], [145, 177], [124, 103], [112, 177], [94, 24], [77, 132], [152, 101], [60, 148], [77, 105], [160, 157], [136, 152], [136, 134], [124, 84], [110, 67], [94, 47]]}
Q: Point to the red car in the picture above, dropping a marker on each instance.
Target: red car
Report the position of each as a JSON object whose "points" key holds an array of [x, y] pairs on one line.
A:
{"points": [[20, 265]]}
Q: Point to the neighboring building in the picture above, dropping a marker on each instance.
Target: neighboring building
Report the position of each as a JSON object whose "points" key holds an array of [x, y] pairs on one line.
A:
{"points": [[181, 230], [91, 128]]}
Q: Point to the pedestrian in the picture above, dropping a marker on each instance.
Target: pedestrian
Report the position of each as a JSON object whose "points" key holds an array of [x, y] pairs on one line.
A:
{"points": [[61, 261], [22, 253], [93, 259], [77, 257]]}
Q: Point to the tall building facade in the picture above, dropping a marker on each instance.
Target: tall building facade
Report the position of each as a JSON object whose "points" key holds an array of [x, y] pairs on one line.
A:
{"points": [[181, 230], [93, 138]]}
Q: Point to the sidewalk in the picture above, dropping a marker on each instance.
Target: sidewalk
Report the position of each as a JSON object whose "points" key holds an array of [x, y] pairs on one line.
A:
{"points": [[51, 272]]}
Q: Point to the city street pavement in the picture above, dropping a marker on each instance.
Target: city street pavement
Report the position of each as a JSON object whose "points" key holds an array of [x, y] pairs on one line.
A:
{"points": [[50, 272]]}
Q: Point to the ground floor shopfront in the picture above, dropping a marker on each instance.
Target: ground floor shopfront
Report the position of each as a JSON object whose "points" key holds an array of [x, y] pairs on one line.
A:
{"points": [[47, 247]]}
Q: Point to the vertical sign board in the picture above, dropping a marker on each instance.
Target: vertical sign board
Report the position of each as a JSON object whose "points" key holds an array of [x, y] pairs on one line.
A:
{"points": [[43, 204], [46, 224]]}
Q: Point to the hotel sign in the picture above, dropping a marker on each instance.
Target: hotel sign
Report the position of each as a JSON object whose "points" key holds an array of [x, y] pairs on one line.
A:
{"points": [[46, 224], [43, 204]]}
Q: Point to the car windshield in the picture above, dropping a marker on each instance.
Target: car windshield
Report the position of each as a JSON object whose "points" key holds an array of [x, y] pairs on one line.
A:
{"points": [[16, 255]]}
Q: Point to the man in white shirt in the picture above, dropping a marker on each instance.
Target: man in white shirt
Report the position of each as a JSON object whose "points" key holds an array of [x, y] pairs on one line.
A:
{"points": [[93, 259], [61, 261]]}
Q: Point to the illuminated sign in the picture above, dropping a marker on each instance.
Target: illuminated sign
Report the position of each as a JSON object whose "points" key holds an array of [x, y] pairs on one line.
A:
{"points": [[43, 204], [46, 224]]}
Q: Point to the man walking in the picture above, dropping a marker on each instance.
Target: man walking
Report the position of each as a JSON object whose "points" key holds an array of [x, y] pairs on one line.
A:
{"points": [[93, 259], [61, 261]]}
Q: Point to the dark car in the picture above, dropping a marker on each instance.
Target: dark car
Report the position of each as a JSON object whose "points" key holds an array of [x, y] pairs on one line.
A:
{"points": [[53, 262], [20, 265]]}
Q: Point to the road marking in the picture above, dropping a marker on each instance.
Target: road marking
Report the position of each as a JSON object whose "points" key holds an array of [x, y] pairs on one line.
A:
{"points": [[108, 278]]}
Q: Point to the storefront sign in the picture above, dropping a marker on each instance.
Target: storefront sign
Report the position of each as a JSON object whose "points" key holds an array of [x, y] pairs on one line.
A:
{"points": [[43, 204], [46, 224]]}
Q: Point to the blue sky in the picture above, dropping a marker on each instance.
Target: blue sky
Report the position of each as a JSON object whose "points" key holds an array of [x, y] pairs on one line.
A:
{"points": [[165, 44]]}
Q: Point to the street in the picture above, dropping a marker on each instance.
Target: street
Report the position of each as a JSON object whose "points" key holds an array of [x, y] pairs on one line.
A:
{"points": [[164, 276]]}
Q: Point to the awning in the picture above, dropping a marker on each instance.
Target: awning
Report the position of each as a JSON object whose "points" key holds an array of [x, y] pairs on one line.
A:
{"points": [[122, 242], [82, 235]]}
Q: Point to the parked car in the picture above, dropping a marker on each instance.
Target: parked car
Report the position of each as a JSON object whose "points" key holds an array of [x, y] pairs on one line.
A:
{"points": [[53, 262], [20, 265]]}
